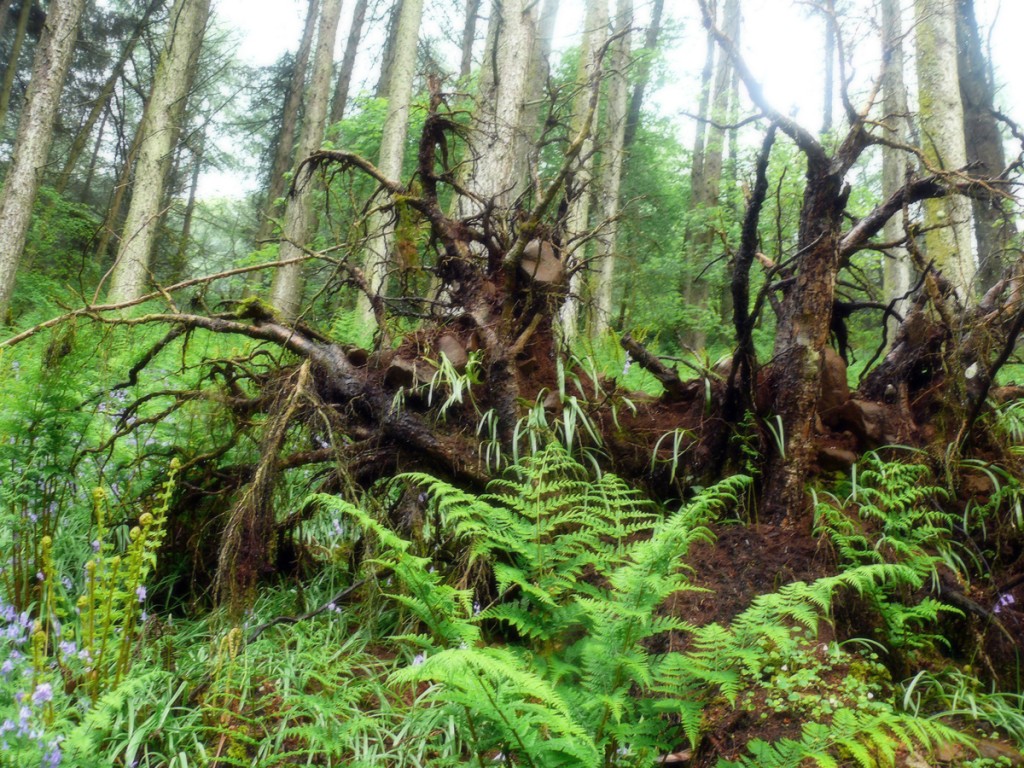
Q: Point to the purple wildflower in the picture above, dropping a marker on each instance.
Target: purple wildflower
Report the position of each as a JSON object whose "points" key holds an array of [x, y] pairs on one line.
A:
{"points": [[42, 694]]}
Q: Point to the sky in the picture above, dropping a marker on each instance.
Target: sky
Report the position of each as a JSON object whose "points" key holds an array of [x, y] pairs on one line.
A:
{"points": [[781, 41]]}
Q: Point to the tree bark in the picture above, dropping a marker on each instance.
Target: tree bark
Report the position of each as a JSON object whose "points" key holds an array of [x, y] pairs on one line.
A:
{"points": [[644, 71], [948, 239], [35, 134], [12, 63], [579, 189], [498, 171], [285, 154], [5, 9], [159, 134], [390, 50], [706, 183], [896, 163], [381, 224], [829, 12], [100, 104], [469, 37], [994, 229], [299, 217], [348, 60], [613, 158]]}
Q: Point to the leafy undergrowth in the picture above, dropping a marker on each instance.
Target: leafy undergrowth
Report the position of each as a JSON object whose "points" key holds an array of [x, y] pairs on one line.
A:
{"points": [[558, 620]]}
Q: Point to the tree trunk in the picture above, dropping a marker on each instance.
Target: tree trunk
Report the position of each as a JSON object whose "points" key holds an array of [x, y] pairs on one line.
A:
{"points": [[35, 133], [948, 239], [5, 9], [78, 145], [498, 171], [390, 50], [707, 183], [829, 12], [285, 154], [994, 229], [381, 224], [615, 122], [469, 37], [159, 134], [643, 75], [537, 97], [896, 163], [181, 257], [12, 63], [348, 61], [300, 218], [579, 188]]}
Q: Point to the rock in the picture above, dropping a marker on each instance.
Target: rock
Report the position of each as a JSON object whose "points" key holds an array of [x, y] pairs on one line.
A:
{"points": [[449, 346], [541, 263]]}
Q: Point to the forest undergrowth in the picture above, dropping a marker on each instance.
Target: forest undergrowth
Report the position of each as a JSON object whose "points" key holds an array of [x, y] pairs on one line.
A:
{"points": [[557, 617]]}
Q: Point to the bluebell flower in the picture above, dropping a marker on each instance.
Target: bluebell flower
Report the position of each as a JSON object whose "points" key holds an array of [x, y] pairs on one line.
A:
{"points": [[140, 592], [42, 694]]}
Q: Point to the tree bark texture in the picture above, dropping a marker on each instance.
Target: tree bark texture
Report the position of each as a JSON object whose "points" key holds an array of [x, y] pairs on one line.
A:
{"points": [[579, 188], [300, 217], [381, 223], [500, 140], [948, 239], [469, 37], [643, 75], [348, 61], [390, 49], [706, 178], [285, 154], [102, 99], [613, 158], [12, 63], [35, 134], [159, 134], [897, 164], [994, 229]]}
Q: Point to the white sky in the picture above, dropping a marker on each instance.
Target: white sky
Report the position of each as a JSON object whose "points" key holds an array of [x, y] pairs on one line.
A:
{"points": [[781, 40]]}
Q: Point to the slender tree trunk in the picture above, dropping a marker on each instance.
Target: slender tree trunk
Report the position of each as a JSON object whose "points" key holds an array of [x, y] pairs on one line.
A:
{"points": [[994, 228], [348, 61], [159, 133], [703, 105], [706, 185], [284, 155], [579, 189], [299, 218], [535, 100], [78, 145], [469, 37], [498, 171], [90, 172], [615, 121], [181, 257], [896, 163], [390, 49], [35, 133], [948, 238], [5, 9], [829, 11], [643, 76], [12, 63], [381, 225]]}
